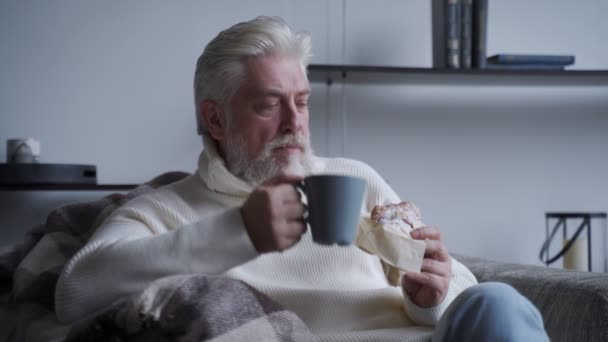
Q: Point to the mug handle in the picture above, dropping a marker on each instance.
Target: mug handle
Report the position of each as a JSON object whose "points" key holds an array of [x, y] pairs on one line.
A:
{"points": [[301, 190]]}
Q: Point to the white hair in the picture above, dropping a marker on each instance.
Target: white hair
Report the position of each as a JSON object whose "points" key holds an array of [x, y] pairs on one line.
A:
{"points": [[219, 70]]}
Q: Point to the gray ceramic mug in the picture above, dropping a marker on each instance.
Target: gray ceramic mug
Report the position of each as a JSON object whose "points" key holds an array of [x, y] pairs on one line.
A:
{"points": [[334, 207]]}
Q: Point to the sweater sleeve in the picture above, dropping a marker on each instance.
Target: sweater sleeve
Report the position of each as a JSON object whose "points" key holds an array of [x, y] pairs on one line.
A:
{"points": [[461, 279], [124, 256]]}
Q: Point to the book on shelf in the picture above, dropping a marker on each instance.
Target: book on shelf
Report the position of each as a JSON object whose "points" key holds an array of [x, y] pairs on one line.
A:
{"points": [[480, 33], [459, 33], [532, 66], [466, 34], [519, 59], [438, 33], [453, 28]]}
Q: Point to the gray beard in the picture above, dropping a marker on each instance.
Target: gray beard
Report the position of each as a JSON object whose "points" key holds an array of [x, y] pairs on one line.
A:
{"points": [[257, 170]]}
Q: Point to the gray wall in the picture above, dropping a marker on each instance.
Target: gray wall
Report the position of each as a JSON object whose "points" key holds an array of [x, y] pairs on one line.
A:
{"points": [[109, 83]]}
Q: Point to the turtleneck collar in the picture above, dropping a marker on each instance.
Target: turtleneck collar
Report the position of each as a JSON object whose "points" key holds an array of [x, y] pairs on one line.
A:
{"points": [[213, 171]]}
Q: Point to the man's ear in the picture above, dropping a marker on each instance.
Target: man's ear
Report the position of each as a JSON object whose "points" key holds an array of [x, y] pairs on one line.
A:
{"points": [[212, 114]]}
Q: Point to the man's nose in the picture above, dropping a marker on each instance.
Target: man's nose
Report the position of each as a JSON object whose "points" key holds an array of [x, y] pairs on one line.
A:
{"points": [[291, 121]]}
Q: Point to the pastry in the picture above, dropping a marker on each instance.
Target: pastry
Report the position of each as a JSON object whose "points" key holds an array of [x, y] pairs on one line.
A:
{"points": [[404, 215], [386, 233]]}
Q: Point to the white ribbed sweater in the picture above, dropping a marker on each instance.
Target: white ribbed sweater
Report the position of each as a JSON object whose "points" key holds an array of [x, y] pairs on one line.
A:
{"points": [[194, 225]]}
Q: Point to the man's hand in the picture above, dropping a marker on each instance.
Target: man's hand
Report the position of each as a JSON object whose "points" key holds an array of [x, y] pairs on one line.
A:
{"points": [[428, 287], [273, 215]]}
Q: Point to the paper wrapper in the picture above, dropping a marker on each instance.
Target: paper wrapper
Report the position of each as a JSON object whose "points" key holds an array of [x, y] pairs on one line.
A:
{"points": [[393, 245]]}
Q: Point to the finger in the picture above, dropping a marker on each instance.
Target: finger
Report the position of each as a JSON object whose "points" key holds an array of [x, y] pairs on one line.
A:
{"points": [[426, 232], [436, 250], [289, 234], [287, 193], [283, 179], [432, 281], [439, 268], [410, 287], [294, 210], [294, 229]]}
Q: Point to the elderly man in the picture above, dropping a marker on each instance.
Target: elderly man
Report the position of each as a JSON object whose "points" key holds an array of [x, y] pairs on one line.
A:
{"points": [[240, 216]]}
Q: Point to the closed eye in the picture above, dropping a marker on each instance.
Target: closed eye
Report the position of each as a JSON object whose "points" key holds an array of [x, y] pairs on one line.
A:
{"points": [[266, 109], [302, 101]]}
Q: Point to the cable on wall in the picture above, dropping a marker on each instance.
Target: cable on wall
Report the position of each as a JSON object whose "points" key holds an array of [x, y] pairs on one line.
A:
{"points": [[343, 79]]}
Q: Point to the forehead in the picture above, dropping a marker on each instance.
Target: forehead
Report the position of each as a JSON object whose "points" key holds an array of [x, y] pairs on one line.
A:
{"points": [[274, 73]]}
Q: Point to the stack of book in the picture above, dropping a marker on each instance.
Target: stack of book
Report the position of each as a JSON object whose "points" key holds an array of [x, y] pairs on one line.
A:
{"points": [[459, 33], [529, 62], [459, 40]]}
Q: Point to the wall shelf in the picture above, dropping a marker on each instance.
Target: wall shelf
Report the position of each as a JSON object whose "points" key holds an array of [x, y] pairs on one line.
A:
{"points": [[386, 74], [68, 187]]}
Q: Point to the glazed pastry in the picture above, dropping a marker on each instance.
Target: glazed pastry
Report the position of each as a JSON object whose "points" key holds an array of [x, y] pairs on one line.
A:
{"points": [[387, 234], [403, 215]]}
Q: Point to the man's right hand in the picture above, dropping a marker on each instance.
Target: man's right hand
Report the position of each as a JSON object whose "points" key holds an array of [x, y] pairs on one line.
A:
{"points": [[273, 215]]}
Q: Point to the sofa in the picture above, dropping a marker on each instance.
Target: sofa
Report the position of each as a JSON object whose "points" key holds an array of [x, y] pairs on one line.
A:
{"points": [[574, 304]]}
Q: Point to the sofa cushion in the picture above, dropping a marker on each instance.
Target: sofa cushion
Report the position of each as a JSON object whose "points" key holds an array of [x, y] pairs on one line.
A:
{"points": [[574, 304]]}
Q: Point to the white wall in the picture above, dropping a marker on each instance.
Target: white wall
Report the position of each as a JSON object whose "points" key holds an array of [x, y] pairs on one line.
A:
{"points": [[486, 172], [485, 161], [110, 84]]}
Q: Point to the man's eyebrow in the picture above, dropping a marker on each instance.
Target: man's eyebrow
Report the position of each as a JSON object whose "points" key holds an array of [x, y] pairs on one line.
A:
{"points": [[277, 93], [303, 92]]}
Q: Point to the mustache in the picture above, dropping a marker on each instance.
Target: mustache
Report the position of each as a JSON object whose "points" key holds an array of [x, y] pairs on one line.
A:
{"points": [[288, 140]]}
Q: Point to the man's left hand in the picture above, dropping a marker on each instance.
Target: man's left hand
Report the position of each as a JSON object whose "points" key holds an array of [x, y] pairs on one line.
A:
{"points": [[429, 287]]}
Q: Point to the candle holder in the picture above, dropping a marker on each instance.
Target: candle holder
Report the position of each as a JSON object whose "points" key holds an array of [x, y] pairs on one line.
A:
{"points": [[577, 248]]}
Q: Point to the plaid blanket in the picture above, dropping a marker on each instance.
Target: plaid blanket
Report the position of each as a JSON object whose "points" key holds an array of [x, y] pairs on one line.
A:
{"points": [[192, 307], [195, 308]]}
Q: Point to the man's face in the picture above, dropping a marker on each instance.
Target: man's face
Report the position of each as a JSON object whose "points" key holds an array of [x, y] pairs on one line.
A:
{"points": [[267, 123]]}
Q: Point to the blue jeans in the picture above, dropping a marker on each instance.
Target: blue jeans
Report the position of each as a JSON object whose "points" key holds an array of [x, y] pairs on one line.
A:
{"points": [[490, 312]]}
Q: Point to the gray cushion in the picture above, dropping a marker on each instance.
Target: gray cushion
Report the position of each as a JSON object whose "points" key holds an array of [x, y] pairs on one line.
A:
{"points": [[574, 304]]}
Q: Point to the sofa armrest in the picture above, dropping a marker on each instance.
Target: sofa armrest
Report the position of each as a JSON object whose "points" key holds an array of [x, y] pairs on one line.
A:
{"points": [[574, 304]]}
